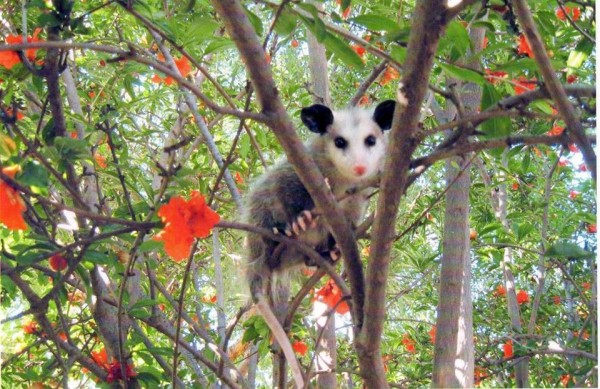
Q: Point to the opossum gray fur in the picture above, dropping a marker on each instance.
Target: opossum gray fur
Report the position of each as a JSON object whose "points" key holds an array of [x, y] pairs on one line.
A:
{"points": [[348, 150]]}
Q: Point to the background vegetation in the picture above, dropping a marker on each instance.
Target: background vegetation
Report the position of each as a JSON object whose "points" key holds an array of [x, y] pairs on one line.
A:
{"points": [[112, 109]]}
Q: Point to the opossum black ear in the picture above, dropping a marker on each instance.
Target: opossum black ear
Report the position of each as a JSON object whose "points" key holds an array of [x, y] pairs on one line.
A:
{"points": [[317, 118], [384, 113]]}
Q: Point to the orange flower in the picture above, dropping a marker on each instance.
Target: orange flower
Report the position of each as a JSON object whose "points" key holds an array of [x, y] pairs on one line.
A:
{"points": [[30, 327], [592, 228], [522, 297], [390, 74], [524, 48], [13, 206], [8, 59], [432, 333], [210, 299], [100, 160], [183, 65], [494, 76], [515, 186], [480, 375], [359, 50], [294, 43], [556, 300], [238, 178], [300, 347], [555, 131], [20, 115], [500, 291], [364, 100], [574, 12], [523, 85], [100, 358], [331, 295], [586, 285], [508, 349], [62, 336], [184, 221], [564, 379], [409, 343]]}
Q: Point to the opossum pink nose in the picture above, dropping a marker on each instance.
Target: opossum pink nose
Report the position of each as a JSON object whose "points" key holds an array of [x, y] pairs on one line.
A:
{"points": [[360, 170]]}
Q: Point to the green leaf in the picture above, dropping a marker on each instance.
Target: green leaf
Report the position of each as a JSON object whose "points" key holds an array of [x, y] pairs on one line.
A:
{"points": [[456, 40], [375, 22], [148, 302], [286, 23], [255, 21], [496, 127], [34, 175], [342, 50], [567, 250], [71, 149], [463, 74], [580, 54], [398, 53], [149, 245]]}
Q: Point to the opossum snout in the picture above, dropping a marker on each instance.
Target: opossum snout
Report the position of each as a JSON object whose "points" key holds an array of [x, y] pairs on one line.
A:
{"points": [[359, 170]]}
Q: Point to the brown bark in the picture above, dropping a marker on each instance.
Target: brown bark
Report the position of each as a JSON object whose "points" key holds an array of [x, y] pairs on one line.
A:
{"points": [[430, 19]]}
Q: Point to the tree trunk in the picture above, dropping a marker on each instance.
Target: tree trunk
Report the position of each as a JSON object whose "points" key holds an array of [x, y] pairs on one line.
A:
{"points": [[326, 351]]}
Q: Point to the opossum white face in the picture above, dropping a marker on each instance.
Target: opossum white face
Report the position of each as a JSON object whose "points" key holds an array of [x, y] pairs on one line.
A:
{"points": [[354, 138]]}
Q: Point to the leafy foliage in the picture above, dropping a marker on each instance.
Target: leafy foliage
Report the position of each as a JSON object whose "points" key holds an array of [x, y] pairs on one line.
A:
{"points": [[150, 107]]}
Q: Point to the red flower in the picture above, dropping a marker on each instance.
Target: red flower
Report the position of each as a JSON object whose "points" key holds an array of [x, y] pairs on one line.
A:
{"points": [[573, 148], [238, 178], [556, 300], [330, 294], [523, 85], [184, 221], [573, 194], [294, 43], [8, 59], [555, 131], [523, 47], [480, 375], [500, 291], [522, 297], [574, 12], [300, 347], [571, 78], [57, 262], [586, 285], [13, 206], [592, 228], [515, 186], [564, 379], [409, 343], [359, 50], [364, 100], [114, 372], [563, 162], [583, 167], [508, 349], [495, 76], [30, 327]]}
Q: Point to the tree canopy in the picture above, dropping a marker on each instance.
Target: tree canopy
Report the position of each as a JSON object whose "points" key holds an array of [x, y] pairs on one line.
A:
{"points": [[131, 131]]}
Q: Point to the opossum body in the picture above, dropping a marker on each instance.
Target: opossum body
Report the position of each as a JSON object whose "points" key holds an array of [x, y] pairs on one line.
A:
{"points": [[349, 150]]}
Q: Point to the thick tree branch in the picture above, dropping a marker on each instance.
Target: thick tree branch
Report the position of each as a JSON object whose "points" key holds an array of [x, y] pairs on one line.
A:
{"points": [[567, 111]]}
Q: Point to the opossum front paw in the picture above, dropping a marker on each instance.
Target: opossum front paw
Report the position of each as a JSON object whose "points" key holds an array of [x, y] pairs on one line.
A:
{"points": [[303, 222], [335, 253]]}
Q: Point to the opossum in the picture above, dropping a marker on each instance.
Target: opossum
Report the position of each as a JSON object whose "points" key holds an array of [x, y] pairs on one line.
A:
{"points": [[349, 150]]}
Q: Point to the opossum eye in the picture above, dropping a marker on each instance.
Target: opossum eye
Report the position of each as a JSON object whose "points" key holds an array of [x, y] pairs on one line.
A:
{"points": [[370, 141], [340, 142]]}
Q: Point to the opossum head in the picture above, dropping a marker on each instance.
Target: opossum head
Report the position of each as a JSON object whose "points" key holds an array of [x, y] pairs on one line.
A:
{"points": [[353, 139]]}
